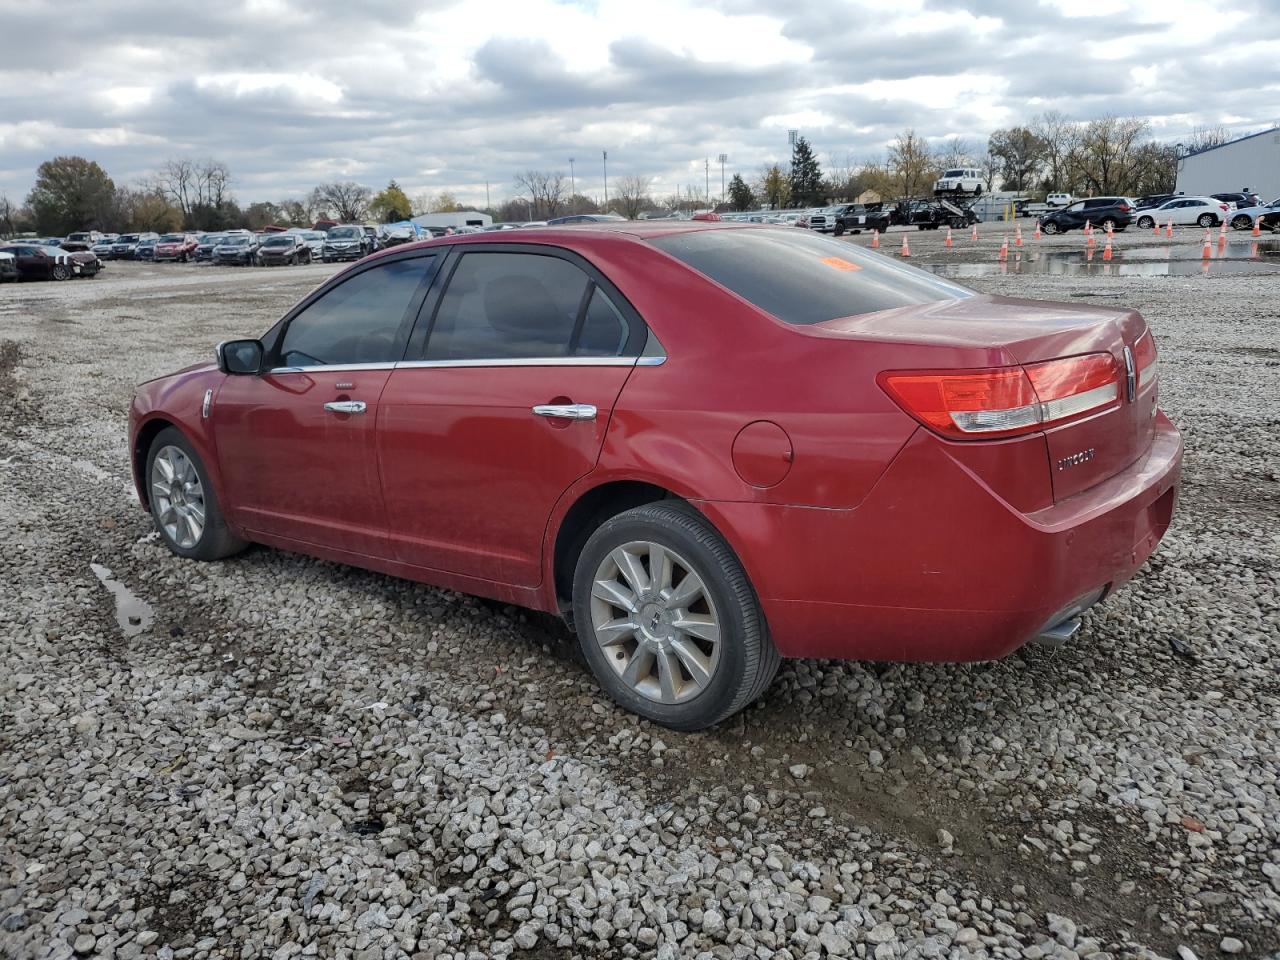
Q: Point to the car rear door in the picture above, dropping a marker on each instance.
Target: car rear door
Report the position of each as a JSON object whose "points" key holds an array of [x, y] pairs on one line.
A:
{"points": [[485, 424], [297, 445]]}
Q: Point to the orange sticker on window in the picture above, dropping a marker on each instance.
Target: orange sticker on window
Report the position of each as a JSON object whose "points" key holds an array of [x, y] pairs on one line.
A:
{"points": [[840, 264]]}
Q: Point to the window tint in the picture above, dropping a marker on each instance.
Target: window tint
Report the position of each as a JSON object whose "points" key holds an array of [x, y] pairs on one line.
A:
{"points": [[805, 279], [507, 305], [358, 321]]}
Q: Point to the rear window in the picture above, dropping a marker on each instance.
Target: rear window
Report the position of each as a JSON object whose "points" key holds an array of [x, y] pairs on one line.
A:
{"points": [[805, 279]]}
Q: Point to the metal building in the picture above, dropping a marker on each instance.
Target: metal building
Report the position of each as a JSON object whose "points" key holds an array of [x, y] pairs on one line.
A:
{"points": [[1252, 163]]}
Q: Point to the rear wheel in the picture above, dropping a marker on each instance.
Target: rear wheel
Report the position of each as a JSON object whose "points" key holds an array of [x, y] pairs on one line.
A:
{"points": [[1050, 227], [1108, 224], [1207, 220], [183, 502], [668, 621], [1146, 223], [1242, 222]]}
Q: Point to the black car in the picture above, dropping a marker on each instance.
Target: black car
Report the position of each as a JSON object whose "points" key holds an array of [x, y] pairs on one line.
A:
{"points": [[345, 242], [205, 244], [857, 217], [1152, 200], [1241, 200], [240, 249], [284, 248], [584, 218], [1116, 212]]}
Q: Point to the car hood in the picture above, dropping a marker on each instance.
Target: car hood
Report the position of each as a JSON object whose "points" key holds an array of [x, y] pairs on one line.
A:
{"points": [[207, 366]]}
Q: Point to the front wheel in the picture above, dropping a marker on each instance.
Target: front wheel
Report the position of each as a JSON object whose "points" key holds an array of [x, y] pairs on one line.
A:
{"points": [[1145, 223], [61, 271], [668, 621], [1207, 220], [1241, 222], [1050, 227], [183, 503]]}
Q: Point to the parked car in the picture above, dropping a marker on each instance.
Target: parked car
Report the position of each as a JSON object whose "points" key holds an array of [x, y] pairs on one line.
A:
{"points": [[205, 244], [179, 247], [126, 248], [345, 242], [1268, 212], [1238, 201], [584, 218], [314, 239], [1153, 200], [8, 266], [824, 220], [102, 249], [959, 180], [1116, 212], [146, 248], [38, 262], [238, 249], [87, 237], [1058, 199], [523, 400], [280, 248], [1202, 211], [858, 217]]}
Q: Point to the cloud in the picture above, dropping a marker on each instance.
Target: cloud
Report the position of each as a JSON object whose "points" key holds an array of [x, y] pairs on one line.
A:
{"points": [[446, 95]]}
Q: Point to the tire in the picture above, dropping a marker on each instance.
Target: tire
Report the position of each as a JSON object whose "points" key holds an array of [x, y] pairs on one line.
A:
{"points": [[1050, 227], [1241, 222], [1108, 224], [1145, 223], [1207, 220], [61, 272], [214, 539], [737, 666], [839, 230]]}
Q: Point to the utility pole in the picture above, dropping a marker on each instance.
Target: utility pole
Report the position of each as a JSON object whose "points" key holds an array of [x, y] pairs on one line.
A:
{"points": [[486, 196], [706, 168], [573, 190], [723, 158], [604, 159]]}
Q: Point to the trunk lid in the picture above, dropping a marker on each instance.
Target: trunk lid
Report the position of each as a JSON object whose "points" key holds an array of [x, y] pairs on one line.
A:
{"points": [[986, 331]]}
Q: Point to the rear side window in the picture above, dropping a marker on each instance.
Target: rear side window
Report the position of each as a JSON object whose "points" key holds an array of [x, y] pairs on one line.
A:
{"points": [[509, 306], [805, 279], [359, 321]]}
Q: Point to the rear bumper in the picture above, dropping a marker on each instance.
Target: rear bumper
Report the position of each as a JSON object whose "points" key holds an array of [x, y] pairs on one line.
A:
{"points": [[934, 566]]}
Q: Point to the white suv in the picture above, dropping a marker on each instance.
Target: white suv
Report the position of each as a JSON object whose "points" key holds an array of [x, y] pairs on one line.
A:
{"points": [[959, 180], [1058, 200]]}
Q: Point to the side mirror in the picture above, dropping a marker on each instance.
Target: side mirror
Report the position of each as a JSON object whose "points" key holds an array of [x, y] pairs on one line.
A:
{"points": [[243, 357]]}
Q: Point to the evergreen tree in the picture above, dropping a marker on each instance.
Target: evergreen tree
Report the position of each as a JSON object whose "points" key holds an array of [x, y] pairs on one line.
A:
{"points": [[740, 195], [806, 175]]}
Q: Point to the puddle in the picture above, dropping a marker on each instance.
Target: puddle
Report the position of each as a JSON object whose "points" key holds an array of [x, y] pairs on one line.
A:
{"points": [[132, 613], [1239, 257]]}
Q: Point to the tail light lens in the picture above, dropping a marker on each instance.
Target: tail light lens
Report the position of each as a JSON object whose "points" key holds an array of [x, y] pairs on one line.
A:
{"points": [[1005, 401], [1144, 360], [1124, 208]]}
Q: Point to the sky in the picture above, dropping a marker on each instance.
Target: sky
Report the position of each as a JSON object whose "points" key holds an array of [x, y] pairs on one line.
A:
{"points": [[451, 94]]}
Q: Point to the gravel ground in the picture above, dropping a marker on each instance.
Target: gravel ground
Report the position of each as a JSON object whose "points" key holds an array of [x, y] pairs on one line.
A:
{"points": [[275, 756]]}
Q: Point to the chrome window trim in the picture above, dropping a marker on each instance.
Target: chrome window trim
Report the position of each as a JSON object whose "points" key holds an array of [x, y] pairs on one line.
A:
{"points": [[495, 362], [333, 368]]}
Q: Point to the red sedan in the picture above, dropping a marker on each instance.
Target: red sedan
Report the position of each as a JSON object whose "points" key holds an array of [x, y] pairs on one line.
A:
{"points": [[707, 446], [179, 247]]}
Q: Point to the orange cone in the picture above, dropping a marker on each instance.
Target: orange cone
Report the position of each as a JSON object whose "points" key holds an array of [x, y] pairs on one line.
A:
{"points": [[1257, 227], [1168, 228], [1088, 228], [1036, 235], [947, 243], [875, 239], [1091, 242], [1223, 230], [1207, 252], [1253, 249], [1207, 238], [1004, 250], [906, 248], [974, 235], [1017, 236], [1106, 250], [1088, 254], [1109, 230], [1222, 242], [1155, 226]]}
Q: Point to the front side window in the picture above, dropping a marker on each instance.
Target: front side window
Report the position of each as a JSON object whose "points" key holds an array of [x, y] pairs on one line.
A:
{"points": [[501, 306], [805, 279], [359, 321]]}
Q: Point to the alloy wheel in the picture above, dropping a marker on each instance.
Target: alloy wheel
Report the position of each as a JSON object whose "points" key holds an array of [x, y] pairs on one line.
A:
{"points": [[653, 617], [178, 496]]}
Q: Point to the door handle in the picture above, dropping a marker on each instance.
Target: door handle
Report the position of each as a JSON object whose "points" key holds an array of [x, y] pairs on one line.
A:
{"points": [[566, 411], [345, 406]]}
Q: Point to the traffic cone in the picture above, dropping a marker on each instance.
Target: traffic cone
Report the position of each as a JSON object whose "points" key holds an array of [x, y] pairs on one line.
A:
{"points": [[1036, 235], [1106, 250], [1091, 242], [1168, 228], [974, 235], [1109, 230], [1155, 227], [875, 239], [947, 243], [1017, 236], [1207, 252], [906, 247], [1004, 250], [1207, 238], [1253, 250], [1257, 227], [1223, 231], [1222, 243], [1088, 228]]}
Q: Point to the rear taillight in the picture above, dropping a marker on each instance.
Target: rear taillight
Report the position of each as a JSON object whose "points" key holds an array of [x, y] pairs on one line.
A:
{"points": [[1124, 208], [1005, 401], [1144, 360]]}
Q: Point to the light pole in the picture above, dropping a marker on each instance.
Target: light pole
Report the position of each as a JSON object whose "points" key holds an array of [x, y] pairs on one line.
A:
{"points": [[604, 160], [706, 167], [723, 158], [573, 190]]}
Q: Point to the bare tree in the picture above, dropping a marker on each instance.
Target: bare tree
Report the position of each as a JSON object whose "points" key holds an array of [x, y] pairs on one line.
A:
{"points": [[198, 188], [1019, 153], [631, 195], [1104, 159], [344, 199], [911, 162], [1059, 136], [6, 216], [1202, 138], [954, 152], [546, 192]]}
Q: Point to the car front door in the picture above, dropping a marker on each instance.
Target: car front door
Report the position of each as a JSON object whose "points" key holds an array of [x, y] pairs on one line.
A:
{"points": [[1072, 217], [483, 428], [296, 445]]}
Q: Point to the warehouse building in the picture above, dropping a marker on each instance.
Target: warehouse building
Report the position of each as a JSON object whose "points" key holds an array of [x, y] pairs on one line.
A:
{"points": [[1252, 163]]}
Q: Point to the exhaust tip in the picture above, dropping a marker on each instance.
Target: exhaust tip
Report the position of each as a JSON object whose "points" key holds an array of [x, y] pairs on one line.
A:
{"points": [[1058, 634]]}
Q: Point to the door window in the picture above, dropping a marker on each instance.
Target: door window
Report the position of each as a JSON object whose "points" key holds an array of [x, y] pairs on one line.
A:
{"points": [[361, 320], [501, 306]]}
